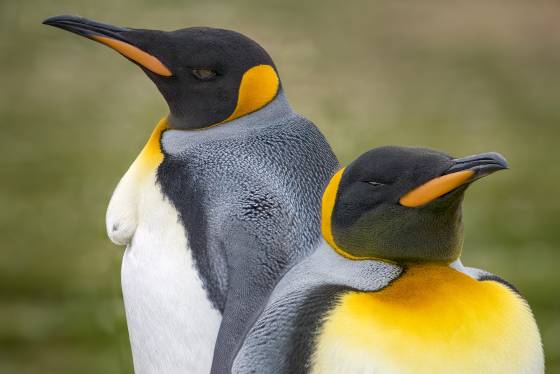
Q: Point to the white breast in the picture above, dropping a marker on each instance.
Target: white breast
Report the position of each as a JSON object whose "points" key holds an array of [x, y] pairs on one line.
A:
{"points": [[172, 324]]}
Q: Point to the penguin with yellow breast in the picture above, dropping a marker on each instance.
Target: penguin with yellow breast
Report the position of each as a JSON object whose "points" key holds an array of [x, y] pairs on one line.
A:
{"points": [[386, 292], [222, 200]]}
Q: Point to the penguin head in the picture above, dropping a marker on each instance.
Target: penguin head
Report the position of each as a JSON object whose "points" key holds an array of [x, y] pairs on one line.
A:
{"points": [[401, 204], [207, 76]]}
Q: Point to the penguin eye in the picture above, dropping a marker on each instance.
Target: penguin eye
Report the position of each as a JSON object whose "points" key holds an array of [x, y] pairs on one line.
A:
{"points": [[375, 184], [204, 74]]}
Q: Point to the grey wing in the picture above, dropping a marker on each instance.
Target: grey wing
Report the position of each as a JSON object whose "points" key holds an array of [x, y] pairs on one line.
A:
{"points": [[282, 339], [264, 236], [257, 234]]}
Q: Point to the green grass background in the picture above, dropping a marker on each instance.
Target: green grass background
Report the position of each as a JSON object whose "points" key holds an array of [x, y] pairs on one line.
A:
{"points": [[463, 77]]}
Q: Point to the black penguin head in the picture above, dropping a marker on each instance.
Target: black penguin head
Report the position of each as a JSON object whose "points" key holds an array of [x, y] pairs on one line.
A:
{"points": [[207, 76], [401, 204]]}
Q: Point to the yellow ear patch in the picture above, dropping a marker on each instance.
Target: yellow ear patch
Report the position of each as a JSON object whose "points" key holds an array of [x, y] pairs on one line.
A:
{"points": [[327, 206], [135, 54], [258, 87]]}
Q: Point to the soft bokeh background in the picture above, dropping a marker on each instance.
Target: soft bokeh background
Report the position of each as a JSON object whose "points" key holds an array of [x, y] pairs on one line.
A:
{"points": [[466, 77]]}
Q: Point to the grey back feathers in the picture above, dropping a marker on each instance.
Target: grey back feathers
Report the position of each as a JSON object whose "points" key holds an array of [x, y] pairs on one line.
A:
{"points": [[282, 339], [248, 193]]}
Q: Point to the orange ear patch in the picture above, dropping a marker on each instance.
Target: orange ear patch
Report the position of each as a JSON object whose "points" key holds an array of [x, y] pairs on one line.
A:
{"points": [[136, 54], [435, 188], [258, 87], [327, 206]]}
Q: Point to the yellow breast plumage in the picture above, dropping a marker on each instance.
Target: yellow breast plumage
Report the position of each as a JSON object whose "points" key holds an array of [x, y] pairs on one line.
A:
{"points": [[433, 319]]}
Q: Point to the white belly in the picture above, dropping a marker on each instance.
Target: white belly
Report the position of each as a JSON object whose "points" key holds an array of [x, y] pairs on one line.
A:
{"points": [[172, 325]]}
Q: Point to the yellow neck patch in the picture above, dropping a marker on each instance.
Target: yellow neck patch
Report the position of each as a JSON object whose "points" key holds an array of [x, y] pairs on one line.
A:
{"points": [[433, 319], [151, 155]]}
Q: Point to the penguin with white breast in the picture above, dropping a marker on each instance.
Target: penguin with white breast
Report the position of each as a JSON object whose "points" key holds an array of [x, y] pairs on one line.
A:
{"points": [[221, 201], [386, 292]]}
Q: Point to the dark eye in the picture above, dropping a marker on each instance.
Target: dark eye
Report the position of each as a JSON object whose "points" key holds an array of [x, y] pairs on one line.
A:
{"points": [[204, 74], [375, 184]]}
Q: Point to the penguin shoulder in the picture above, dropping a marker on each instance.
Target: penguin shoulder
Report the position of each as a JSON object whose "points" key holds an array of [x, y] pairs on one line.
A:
{"points": [[283, 338], [483, 275]]}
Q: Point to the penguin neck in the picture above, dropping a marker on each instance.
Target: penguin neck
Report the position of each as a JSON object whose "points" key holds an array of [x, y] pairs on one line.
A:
{"points": [[175, 141], [454, 263], [388, 241], [277, 106], [151, 155]]}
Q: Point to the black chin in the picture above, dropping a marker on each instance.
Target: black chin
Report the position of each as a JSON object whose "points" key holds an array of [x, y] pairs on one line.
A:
{"points": [[452, 197]]}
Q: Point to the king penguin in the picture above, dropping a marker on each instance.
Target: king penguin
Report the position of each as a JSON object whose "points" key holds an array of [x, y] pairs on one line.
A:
{"points": [[385, 292], [220, 202]]}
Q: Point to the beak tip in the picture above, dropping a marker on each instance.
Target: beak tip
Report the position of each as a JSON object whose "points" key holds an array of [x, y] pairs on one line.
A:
{"points": [[481, 164], [48, 21], [114, 37], [500, 160], [84, 26], [52, 21]]}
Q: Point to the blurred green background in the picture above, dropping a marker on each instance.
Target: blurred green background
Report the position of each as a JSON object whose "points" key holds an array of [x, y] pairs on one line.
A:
{"points": [[466, 77]]}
